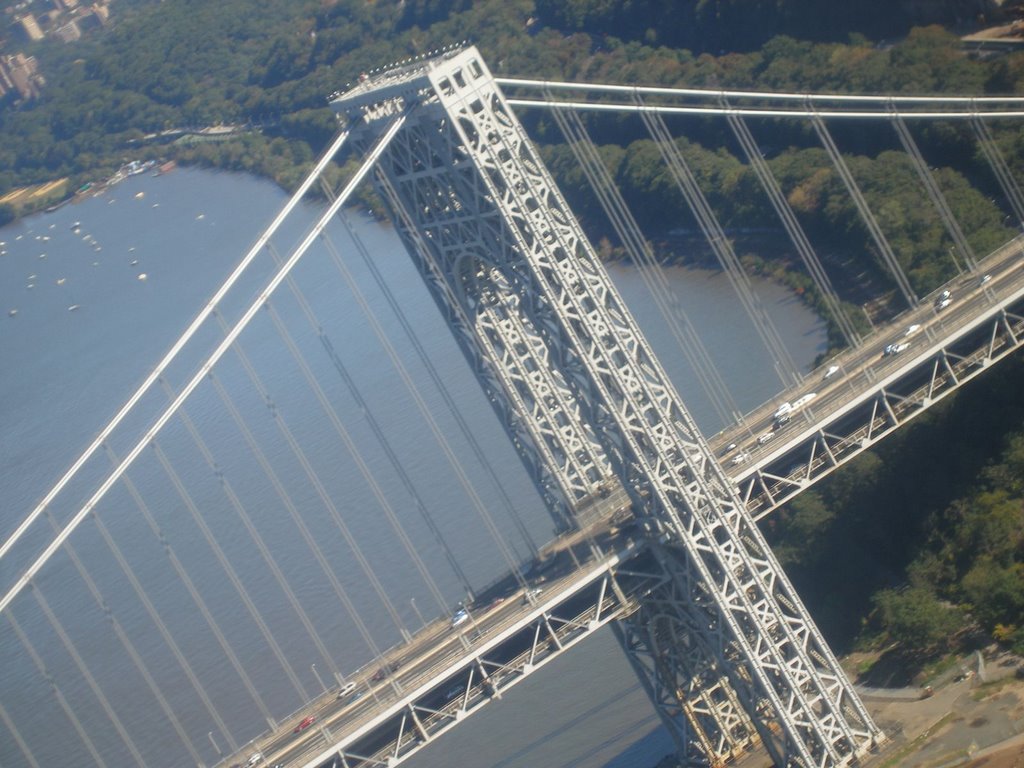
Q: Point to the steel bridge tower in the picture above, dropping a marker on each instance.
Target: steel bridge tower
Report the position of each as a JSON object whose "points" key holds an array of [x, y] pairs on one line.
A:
{"points": [[726, 650]]}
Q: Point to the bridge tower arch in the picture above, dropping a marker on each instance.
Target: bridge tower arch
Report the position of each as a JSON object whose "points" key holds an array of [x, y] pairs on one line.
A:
{"points": [[597, 422]]}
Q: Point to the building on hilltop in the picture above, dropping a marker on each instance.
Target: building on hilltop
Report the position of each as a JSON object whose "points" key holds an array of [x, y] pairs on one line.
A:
{"points": [[29, 27], [19, 74], [87, 19], [69, 32], [102, 12]]}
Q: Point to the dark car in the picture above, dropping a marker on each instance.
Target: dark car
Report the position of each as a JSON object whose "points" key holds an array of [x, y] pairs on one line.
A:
{"points": [[385, 670]]}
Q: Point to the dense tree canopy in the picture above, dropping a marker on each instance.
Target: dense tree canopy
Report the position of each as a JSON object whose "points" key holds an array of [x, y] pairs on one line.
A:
{"points": [[882, 540]]}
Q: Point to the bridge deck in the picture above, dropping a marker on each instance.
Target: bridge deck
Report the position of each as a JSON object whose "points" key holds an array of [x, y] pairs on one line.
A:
{"points": [[445, 673]]}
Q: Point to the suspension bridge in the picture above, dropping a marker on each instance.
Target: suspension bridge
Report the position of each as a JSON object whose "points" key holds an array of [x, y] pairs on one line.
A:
{"points": [[657, 521]]}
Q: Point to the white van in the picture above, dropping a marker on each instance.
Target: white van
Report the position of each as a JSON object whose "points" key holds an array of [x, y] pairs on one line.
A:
{"points": [[782, 410]]}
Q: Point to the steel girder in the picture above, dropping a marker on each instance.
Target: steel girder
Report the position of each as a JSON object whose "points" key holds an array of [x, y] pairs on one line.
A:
{"points": [[690, 689], [522, 289], [838, 438], [478, 672]]}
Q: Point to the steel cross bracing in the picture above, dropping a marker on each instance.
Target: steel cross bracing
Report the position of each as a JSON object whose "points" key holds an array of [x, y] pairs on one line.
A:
{"points": [[808, 451], [494, 241], [462, 675]]}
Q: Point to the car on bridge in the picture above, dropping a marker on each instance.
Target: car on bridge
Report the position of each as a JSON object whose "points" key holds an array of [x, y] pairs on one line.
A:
{"points": [[385, 670], [944, 300], [304, 723], [803, 400], [531, 595], [347, 689], [740, 458], [895, 349], [782, 410], [461, 617]]}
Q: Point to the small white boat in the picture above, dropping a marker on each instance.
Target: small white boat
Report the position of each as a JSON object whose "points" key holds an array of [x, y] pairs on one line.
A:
{"points": [[73, 307]]}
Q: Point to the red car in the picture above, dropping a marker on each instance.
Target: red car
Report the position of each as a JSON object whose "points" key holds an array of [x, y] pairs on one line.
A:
{"points": [[304, 724]]}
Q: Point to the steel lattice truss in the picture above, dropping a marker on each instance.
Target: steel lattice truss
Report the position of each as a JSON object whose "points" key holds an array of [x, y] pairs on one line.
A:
{"points": [[836, 440], [594, 417]]}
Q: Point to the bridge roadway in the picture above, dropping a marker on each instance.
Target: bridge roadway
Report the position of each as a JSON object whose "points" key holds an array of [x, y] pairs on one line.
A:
{"points": [[427, 685], [591, 577], [871, 394]]}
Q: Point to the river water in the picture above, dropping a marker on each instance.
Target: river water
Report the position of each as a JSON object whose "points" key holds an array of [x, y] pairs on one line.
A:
{"points": [[92, 296]]}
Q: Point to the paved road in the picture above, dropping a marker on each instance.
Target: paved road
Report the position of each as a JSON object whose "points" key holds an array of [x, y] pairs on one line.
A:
{"points": [[959, 721]]}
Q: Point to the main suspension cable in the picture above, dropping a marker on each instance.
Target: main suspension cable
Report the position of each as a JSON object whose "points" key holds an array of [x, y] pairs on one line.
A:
{"points": [[140, 446], [193, 327]]}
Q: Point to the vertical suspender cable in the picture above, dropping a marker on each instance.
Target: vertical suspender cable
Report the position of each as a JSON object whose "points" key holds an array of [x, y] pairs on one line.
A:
{"points": [[382, 439], [364, 469], [796, 232], [161, 626], [200, 603], [38, 661], [129, 647], [511, 556], [69, 646], [22, 745], [329, 506], [1002, 171], [683, 176], [229, 569], [293, 512], [884, 250], [258, 540], [431, 369], [638, 248], [932, 188]]}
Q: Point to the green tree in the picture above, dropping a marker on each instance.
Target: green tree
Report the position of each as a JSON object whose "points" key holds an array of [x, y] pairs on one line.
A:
{"points": [[917, 620]]}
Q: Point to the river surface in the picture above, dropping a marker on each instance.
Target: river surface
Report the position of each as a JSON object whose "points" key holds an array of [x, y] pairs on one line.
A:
{"points": [[94, 294]]}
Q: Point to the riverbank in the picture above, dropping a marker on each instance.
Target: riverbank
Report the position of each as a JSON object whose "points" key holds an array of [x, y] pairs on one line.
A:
{"points": [[962, 717]]}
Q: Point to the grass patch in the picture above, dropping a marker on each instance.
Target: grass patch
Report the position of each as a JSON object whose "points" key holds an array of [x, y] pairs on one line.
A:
{"points": [[897, 757], [985, 690]]}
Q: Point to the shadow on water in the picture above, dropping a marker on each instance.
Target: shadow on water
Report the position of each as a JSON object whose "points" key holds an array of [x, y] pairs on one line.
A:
{"points": [[628, 757]]}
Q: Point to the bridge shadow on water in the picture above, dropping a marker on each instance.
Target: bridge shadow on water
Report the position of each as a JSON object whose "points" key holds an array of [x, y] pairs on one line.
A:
{"points": [[643, 753]]}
